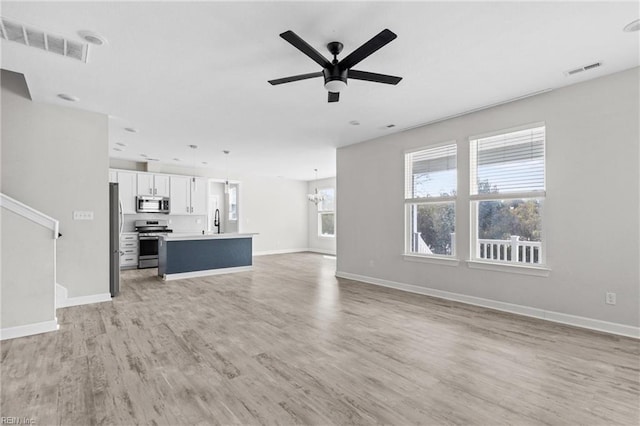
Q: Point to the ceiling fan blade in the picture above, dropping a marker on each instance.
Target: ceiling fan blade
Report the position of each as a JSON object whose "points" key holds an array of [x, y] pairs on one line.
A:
{"points": [[334, 96], [372, 76], [305, 48], [295, 78], [385, 36]]}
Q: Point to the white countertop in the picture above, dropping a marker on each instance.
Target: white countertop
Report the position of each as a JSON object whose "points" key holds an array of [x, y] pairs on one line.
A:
{"points": [[183, 236]]}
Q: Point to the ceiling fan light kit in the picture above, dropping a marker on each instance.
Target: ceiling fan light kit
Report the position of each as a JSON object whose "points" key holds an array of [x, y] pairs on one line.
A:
{"points": [[336, 73]]}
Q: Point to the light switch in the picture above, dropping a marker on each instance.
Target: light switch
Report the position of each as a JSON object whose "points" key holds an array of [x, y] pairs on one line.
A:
{"points": [[82, 215]]}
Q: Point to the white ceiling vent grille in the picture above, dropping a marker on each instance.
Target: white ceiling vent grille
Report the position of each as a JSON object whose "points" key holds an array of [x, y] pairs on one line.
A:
{"points": [[29, 36], [582, 69]]}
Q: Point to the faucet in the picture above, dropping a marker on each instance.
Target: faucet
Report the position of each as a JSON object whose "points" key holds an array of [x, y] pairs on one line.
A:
{"points": [[216, 219]]}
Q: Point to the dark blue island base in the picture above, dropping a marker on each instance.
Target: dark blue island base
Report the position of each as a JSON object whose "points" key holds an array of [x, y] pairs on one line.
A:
{"points": [[197, 256]]}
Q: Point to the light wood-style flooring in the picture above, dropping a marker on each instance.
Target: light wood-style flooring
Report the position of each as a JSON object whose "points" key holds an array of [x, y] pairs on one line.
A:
{"points": [[288, 343]]}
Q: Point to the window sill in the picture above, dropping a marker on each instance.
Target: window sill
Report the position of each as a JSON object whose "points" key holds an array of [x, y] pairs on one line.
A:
{"points": [[448, 261], [538, 271], [327, 236]]}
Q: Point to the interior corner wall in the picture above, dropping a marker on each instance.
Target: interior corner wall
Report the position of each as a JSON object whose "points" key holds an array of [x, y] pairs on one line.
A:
{"points": [[316, 243], [591, 210], [55, 159]]}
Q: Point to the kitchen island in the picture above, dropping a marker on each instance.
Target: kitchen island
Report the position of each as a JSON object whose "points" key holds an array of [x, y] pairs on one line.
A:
{"points": [[188, 255]]}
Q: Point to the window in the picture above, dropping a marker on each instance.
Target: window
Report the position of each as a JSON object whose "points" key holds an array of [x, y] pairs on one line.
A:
{"points": [[233, 202], [430, 196], [507, 194], [326, 213]]}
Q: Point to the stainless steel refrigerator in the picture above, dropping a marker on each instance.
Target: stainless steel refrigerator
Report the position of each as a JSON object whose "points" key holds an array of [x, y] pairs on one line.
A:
{"points": [[115, 229]]}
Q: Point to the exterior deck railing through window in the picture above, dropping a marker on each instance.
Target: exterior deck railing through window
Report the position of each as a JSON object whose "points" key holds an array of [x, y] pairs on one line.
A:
{"points": [[511, 250]]}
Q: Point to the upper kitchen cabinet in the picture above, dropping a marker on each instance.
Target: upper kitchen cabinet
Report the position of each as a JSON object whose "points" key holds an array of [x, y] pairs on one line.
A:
{"points": [[127, 188], [152, 184], [113, 176], [188, 195], [199, 196]]}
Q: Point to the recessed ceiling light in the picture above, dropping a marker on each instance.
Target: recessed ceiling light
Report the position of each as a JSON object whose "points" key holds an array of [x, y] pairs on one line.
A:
{"points": [[176, 159], [144, 155], [354, 122], [389, 126], [633, 26], [131, 129], [69, 98], [204, 162], [117, 149], [120, 144], [93, 38], [193, 146]]}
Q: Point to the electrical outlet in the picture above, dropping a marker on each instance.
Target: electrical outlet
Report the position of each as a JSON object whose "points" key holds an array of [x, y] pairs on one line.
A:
{"points": [[610, 298], [82, 215]]}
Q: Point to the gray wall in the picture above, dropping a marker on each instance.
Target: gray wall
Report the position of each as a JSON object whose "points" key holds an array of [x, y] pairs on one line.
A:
{"points": [[28, 287], [55, 160], [591, 209], [317, 243]]}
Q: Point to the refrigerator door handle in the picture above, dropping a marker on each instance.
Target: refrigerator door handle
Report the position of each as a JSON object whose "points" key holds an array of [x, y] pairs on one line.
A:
{"points": [[121, 217]]}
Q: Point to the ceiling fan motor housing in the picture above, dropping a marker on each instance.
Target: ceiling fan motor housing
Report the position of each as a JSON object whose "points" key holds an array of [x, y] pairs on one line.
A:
{"points": [[335, 79]]}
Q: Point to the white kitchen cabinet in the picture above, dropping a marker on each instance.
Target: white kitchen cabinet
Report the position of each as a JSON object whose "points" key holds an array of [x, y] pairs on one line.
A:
{"points": [[128, 250], [152, 184], [180, 199], [188, 196], [113, 176], [199, 196], [127, 188], [161, 185]]}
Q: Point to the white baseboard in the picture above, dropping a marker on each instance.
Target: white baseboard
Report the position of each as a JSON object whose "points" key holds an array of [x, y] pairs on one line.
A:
{"points": [[29, 329], [558, 317], [322, 251], [284, 251], [298, 250], [206, 273], [64, 301]]}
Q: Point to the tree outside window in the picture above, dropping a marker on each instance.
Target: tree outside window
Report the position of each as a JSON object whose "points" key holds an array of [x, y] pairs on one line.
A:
{"points": [[326, 213]]}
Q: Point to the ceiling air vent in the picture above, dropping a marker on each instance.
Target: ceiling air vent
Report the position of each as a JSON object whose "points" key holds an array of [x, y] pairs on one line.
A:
{"points": [[29, 36], [584, 68]]}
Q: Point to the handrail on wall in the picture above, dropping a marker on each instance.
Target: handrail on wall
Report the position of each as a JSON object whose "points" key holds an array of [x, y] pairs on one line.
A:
{"points": [[30, 213]]}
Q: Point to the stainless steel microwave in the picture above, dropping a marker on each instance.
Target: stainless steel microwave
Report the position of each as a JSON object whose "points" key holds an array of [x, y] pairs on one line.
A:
{"points": [[149, 204]]}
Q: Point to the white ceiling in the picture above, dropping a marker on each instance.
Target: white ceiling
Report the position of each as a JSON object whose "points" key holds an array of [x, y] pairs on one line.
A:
{"points": [[196, 72]]}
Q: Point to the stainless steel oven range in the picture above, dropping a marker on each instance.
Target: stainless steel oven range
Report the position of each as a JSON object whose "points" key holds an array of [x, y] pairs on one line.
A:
{"points": [[149, 232]]}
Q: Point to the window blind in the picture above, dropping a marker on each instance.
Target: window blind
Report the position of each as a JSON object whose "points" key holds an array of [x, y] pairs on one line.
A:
{"points": [[431, 172], [508, 163]]}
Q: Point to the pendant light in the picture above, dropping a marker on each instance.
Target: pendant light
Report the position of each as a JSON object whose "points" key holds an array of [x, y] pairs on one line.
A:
{"points": [[315, 197], [226, 182]]}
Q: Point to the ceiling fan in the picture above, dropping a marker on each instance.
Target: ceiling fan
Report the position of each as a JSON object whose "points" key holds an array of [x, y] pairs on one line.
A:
{"points": [[336, 72]]}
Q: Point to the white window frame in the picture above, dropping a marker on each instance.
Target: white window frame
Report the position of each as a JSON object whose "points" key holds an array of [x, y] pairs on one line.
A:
{"points": [[540, 268], [452, 259], [323, 212]]}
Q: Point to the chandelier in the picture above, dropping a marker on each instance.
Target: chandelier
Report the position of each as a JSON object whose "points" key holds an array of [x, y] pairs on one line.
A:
{"points": [[315, 198]]}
